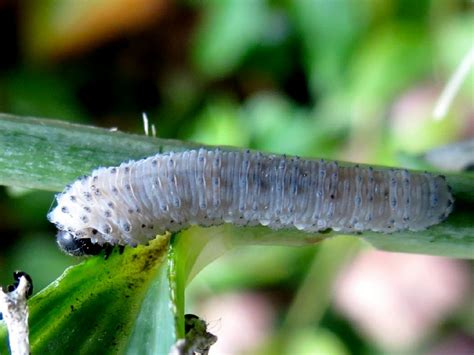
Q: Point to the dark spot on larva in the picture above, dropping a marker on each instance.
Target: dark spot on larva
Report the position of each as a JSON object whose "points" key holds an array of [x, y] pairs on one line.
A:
{"points": [[171, 221], [154, 162], [84, 219], [406, 218], [392, 221], [95, 178], [130, 211], [407, 201], [126, 227], [72, 198], [371, 198], [113, 170], [108, 214], [201, 159], [393, 202], [97, 192], [114, 190], [87, 195], [107, 229], [164, 208], [407, 181], [138, 210], [449, 203], [128, 187], [110, 204], [94, 231], [143, 225], [325, 231], [87, 209], [371, 169], [127, 169], [358, 201], [332, 196], [64, 209]]}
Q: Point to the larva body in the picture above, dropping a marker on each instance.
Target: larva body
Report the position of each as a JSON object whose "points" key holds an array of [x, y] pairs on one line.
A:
{"points": [[132, 203]]}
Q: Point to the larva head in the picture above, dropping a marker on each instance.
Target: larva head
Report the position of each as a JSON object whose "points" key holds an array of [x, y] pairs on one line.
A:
{"points": [[77, 216], [71, 245]]}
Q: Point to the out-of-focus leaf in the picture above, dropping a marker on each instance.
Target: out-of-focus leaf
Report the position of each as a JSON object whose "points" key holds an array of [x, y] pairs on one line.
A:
{"points": [[95, 306], [229, 30], [219, 123], [306, 309], [452, 41], [373, 79], [277, 125], [328, 30], [309, 341], [30, 91]]}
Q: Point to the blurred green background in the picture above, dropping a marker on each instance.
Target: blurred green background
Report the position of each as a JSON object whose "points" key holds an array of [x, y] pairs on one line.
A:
{"points": [[339, 79]]}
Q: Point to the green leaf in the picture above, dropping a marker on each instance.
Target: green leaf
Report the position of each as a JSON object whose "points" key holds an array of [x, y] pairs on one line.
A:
{"points": [[121, 304]]}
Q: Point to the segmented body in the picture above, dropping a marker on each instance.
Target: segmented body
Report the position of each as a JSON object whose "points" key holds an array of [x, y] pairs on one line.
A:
{"points": [[132, 203]]}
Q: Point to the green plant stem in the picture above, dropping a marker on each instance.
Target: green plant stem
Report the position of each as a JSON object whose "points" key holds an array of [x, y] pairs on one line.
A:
{"points": [[46, 154]]}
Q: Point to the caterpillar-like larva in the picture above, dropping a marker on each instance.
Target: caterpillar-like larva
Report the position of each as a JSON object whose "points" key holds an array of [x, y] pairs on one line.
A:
{"points": [[132, 203]]}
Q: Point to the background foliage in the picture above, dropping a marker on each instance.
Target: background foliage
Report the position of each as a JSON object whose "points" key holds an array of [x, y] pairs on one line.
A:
{"points": [[342, 79]]}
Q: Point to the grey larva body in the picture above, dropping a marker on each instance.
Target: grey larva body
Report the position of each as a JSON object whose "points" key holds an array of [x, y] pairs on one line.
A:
{"points": [[132, 203]]}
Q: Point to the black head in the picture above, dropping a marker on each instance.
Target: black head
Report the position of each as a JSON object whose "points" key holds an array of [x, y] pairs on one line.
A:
{"points": [[77, 246]]}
